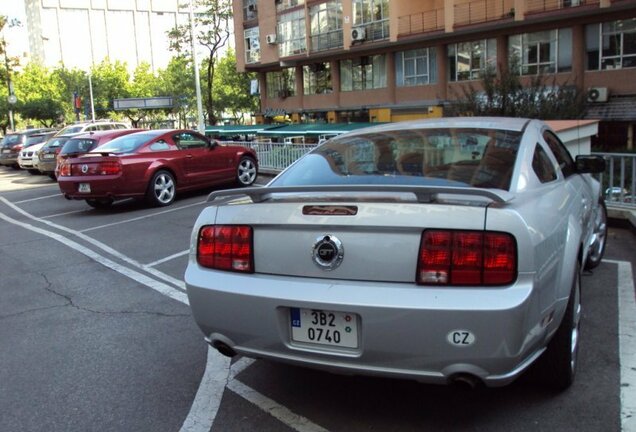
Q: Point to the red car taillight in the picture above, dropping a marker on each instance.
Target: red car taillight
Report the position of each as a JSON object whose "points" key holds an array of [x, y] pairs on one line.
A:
{"points": [[64, 169], [109, 168], [226, 247], [466, 258]]}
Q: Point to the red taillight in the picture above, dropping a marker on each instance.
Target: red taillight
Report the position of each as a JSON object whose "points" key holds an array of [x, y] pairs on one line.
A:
{"points": [[466, 258], [64, 169], [108, 168], [226, 247]]}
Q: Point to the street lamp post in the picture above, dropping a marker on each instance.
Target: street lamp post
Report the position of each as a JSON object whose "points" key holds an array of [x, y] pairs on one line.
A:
{"points": [[11, 99]]}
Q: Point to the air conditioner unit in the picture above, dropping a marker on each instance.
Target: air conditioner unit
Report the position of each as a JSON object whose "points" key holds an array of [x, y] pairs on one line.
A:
{"points": [[271, 38], [597, 94], [358, 34], [251, 7]]}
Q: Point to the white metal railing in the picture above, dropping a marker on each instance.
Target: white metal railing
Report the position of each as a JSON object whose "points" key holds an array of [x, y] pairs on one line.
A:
{"points": [[275, 157], [619, 179], [618, 182]]}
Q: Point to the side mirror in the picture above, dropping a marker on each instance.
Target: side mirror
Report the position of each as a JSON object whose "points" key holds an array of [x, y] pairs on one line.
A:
{"points": [[590, 164], [211, 143]]}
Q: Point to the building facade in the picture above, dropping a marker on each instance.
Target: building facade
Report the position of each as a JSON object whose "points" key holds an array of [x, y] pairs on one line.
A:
{"points": [[80, 33], [380, 60]]}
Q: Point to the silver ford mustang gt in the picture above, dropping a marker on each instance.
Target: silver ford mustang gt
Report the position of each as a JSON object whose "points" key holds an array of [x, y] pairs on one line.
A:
{"points": [[446, 250]]}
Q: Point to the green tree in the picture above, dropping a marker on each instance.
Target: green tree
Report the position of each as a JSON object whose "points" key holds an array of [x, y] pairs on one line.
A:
{"points": [[506, 95], [110, 81], [212, 31], [72, 81], [232, 89], [144, 84], [176, 81], [45, 110], [39, 94]]}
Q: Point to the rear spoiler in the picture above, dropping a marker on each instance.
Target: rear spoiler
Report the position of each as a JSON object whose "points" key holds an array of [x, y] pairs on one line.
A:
{"points": [[422, 193]]}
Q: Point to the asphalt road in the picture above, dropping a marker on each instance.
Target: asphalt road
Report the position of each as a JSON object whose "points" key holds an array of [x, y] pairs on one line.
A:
{"points": [[96, 334]]}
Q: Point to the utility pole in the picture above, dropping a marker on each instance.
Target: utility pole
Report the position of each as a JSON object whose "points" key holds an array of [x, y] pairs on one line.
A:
{"points": [[197, 82], [11, 99]]}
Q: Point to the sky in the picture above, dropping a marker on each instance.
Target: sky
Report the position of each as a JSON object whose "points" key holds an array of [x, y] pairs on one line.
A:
{"points": [[17, 40]]}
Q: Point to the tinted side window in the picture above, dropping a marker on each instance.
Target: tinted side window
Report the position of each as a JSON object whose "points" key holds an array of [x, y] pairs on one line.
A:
{"points": [[542, 165], [562, 155], [187, 141]]}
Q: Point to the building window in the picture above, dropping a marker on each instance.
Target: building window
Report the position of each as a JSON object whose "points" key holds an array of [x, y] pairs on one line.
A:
{"points": [[364, 73], [291, 33], [281, 5], [317, 79], [326, 25], [373, 17], [415, 67], [252, 45], [618, 42], [281, 84], [469, 60], [249, 10], [542, 52]]}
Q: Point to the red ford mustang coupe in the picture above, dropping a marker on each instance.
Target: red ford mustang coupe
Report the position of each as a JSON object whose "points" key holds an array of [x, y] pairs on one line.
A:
{"points": [[154, 165]]}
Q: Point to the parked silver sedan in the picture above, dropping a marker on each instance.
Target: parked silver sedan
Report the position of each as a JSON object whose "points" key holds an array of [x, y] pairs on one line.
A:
{"points": [[447, 250]]}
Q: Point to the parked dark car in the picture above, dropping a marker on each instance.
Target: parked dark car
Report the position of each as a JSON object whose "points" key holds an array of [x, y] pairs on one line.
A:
{"points": [[48, 154], [154, 165], [12, 143]]}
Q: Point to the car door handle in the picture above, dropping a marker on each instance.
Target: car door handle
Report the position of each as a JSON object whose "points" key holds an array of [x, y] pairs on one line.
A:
{"points": [[189, 156]]}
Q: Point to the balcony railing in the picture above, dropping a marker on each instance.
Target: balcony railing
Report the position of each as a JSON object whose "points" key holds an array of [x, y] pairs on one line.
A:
{"points": [[422, 22], [325, 41], [618, 182], [375, 30], [483, 11], [534, 6]]}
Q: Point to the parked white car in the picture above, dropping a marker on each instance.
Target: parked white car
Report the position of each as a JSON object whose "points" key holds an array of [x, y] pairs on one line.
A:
{"points": [[446, 250], [27, 158]]}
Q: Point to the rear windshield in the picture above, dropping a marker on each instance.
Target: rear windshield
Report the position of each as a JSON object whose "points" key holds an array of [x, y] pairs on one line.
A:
{"points": [[78, 145], [12, 139], [56, 142], [125, 144], [35, 139], [71, 129], [436, 157]]}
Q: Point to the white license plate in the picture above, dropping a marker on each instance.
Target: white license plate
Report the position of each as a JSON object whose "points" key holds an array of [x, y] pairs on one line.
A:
{"points": [[84, 188], [48, 156], [6, 151], [321, 327]]}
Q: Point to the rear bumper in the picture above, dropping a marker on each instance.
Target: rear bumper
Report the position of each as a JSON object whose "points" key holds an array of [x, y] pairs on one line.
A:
{"points": [[8, 160], [113, 187], [403, 329]]}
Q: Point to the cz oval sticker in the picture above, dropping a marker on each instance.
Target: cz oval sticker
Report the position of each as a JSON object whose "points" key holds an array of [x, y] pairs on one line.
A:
{"points": [[460, 338]]}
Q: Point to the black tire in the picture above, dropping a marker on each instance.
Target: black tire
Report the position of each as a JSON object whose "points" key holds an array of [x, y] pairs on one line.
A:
{"points": [[246, 171], [100, 203], [597, 248], [53, 176], [15, 166], [561, 356], [34, 172], [161, 189]]}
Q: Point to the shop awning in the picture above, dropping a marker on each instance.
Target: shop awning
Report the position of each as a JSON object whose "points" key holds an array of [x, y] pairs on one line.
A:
{"points": [[314, 129], [229, 130]]}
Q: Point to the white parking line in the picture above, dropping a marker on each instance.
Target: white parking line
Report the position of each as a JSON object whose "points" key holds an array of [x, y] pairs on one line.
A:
{"points": [[143, 217], [168, 258], [627, 343], [208, 398], [63, 214], [102, 246], [59, 195], [164, 289]]}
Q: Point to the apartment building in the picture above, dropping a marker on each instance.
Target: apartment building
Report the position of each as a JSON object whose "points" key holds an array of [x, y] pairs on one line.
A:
{"points": [[380, 60]]}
